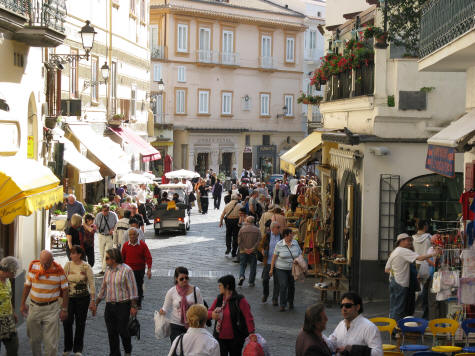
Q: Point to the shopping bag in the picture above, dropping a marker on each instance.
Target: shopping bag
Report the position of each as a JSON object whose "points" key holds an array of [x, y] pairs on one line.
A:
{"points": [[162, 326], [424, 271], [255, 345]]}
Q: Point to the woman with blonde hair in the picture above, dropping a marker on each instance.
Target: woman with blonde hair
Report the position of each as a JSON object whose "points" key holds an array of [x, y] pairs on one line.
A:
{"points": [[197, 341], [8, 336]]}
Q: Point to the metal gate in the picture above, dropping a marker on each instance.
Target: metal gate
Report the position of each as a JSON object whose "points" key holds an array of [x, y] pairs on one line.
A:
{"points": [[388, 188]]}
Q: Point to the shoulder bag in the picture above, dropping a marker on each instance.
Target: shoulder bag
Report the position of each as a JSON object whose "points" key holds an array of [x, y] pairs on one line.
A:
{"points": [[208, 322], [299, 268], [179, 343]]}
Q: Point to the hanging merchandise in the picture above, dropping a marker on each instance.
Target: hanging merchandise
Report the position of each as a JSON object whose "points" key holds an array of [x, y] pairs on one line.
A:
{"points": [[466, 293], [466, 199], [468, 257]]}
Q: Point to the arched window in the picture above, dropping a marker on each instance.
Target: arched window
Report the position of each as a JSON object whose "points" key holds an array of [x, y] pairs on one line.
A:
{"points": [[428, 197]]}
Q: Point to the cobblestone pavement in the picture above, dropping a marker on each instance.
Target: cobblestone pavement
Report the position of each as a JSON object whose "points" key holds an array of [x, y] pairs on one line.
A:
{"points": [[202, 252]]}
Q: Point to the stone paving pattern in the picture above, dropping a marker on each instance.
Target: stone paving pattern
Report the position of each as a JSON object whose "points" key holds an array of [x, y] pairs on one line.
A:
{"points": [[202, 252]]}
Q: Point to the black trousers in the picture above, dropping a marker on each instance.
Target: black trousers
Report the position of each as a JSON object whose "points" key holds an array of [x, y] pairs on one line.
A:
{"points": [[143, 211], [232, 230], [231, 347], [89, 251], [77, 313], [217, 201], [293, 202], [204, 204], [11, 345], [139, 275], [175, 331], [117, 319], [265, 284]]}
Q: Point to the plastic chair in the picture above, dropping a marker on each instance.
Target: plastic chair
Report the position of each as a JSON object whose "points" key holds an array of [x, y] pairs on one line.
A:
{"points": [[389, 326], [467, 329], [420, 329], [442, 326]]}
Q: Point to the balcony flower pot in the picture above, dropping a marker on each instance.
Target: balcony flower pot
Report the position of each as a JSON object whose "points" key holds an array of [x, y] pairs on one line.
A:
{"points": [[380, 41], [116, 120], [51, 122]]}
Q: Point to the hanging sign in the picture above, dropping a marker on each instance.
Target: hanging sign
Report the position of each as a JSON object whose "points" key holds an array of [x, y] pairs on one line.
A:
{"points": [[30, 147], [441, 160]]}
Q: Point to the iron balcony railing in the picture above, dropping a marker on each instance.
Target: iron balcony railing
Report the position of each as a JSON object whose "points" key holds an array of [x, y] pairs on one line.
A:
{"points": [[159, 118], [266, 62], [157, 52], [443, 21], [351, 83], [50, 13], [17, 6], [205, 56], [229, 58]]}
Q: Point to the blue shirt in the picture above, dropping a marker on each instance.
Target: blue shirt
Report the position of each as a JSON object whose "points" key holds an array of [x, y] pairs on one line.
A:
{"points": [[75, 208], [272, 242]]}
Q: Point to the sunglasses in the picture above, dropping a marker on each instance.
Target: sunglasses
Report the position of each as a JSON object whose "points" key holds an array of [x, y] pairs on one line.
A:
{"points": [[346, 305], [184, 278]]}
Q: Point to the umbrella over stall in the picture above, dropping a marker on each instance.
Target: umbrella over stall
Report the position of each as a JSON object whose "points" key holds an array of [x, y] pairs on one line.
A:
{"points": [[182, 173]]}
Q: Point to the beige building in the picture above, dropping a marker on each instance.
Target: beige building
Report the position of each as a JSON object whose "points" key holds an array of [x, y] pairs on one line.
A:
{"points": [[232, 71]]}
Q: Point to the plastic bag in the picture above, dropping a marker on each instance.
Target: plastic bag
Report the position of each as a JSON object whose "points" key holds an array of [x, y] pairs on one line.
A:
{"points": [[254, 344], [162, 326], [424, 271]]}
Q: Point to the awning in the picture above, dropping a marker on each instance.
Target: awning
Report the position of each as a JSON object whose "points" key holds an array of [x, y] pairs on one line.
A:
{"points": [[88, 171], [26, 186], [300, 153], [457, 134], [103, 148], [143, 147]]}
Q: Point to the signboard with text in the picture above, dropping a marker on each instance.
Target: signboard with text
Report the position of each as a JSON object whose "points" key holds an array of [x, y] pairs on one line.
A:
{"points": [[441, 160]]}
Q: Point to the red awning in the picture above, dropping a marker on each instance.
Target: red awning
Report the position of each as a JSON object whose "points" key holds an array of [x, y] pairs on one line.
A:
{"points": [[146, 150]]}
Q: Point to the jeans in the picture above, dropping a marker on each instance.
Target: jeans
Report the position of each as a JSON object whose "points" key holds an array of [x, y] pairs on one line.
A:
{"points": [[139, 280], [77, 312], [232, 230], [117, 319], [175, 331], [286, 286], [231, 347], [265, 284], [397, 300], [89, 251], [11, 345], [244, 260]]}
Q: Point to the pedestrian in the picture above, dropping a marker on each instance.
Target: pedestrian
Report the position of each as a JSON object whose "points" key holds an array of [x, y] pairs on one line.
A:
{"points": [[355, 332], [120, 235], [248, 240], [177, 301], [285, 253], [133, 222], [136, 255], [87, 241], [266, 217], [45, 283], [267, 247], [233, 318], [227, 197], [197, 340], [311, 340], [204, 198], [253, 207], [230, 215], [73, 207], [120, 292], [422, 244], [293, 184], [217, 192], [398, 268], [243, 190], [278, 215], [82, 293], [134, 214], [197, 190], [234, 176], [73, 233], [105, 222], [141, 200], [8, 335]]}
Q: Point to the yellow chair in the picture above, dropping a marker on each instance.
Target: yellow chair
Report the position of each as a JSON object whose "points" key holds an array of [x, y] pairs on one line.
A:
{"points": [[465, 354], [389, 325], [393, 353], [449, 326]]}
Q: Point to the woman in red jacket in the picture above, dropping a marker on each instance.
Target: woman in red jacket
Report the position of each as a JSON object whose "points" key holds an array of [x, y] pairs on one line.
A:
{"points": [[233, 318]]}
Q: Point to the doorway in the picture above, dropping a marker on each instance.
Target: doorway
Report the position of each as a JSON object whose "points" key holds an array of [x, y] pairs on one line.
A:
{"points": [[226, 163], [247, 160], [202, 163]]}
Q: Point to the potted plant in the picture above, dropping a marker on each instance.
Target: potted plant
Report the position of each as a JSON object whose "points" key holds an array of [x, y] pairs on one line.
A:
{"points": [[378, 34], [51, 122], [116, 119]]}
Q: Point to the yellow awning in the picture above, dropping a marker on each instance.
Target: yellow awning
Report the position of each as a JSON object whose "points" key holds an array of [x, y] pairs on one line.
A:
{"points": [[300, 153], [26, 186]]}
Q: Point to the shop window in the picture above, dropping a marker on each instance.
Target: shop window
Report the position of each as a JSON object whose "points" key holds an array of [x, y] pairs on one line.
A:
{"points": [[266, 140], [248, 140]]}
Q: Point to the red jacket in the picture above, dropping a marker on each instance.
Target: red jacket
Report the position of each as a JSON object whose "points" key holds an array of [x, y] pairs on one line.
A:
{"points": [[136, 256]]}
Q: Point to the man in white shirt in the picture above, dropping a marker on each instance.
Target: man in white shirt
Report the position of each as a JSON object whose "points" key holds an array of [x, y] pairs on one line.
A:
{"points": [[293, 183], [141, 200], [398, 267], [354, 331]]}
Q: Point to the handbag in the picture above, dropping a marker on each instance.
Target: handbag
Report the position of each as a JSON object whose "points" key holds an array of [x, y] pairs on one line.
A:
{"points": [[134, 327], [162, 326], [299, 267]]}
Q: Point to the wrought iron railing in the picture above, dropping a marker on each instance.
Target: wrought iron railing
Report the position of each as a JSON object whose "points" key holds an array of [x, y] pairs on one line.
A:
{"points": [[157, 52], [17, 6], [205, 56], [266, 62], [351, 83], [442, 21], [229, 58], [159, 118], [50, 13]]}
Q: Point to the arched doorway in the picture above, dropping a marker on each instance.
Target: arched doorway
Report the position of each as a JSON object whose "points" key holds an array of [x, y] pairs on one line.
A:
{"points": [[32, 129], [427, 197]]}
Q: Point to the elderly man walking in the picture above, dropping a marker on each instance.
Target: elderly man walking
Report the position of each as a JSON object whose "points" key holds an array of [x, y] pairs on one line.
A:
{"points": [[136, 255], [230, 215], [105, 222], [45, 283], [248, 240], [267, 247], [73, 207]]}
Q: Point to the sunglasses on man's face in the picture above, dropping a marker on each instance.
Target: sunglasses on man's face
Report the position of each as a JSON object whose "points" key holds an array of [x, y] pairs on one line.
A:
{"points": [[183, 278], [346, 305]]}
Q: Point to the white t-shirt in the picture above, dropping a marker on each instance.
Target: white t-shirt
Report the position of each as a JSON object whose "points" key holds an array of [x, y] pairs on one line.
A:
{"points": [[196, 342], [399, 262], [421, 245], [141, 196], [173, 301]]}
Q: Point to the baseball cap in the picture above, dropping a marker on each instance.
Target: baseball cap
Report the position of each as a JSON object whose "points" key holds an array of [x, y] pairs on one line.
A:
{"points": [[402, 236]]}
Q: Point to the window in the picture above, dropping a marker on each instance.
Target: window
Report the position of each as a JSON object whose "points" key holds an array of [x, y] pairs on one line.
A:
{"points": [[157, 72], [289, 104], [113, 81], [182, 74], [73, 75], [94, 79], [182, 38], [204, 45], [203, 101], [248, 140], [227, 103], [142, 11], [265, 140], [266, 46], [153, 37], [265, 103], [180, 101], [290, 49], [157, 107], [133, 97], [228, 41], [319, 14]]}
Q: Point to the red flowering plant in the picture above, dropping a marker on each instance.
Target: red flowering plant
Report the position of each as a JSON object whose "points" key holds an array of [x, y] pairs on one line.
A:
{"points": [[358, 53]]}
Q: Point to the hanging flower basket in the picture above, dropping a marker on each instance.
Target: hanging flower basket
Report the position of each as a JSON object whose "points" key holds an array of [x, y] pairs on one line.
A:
{"points": [[51, 122]]}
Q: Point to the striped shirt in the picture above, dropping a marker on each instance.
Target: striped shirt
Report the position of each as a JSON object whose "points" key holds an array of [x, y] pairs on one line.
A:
{"points": [[118, 284], [45, 285]]}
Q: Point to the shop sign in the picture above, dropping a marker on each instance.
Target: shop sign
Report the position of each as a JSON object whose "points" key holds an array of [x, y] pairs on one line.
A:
{"points": [[30, 147], [441, 160], [266, 149]]}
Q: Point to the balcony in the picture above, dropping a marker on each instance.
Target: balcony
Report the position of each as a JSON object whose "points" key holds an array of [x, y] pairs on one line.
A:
{"points": [[229, 58], [311, 54], [266, 62], [205, 56], [158, 52], [13, 14], [45, 27], [351, 83], [159, 118]]}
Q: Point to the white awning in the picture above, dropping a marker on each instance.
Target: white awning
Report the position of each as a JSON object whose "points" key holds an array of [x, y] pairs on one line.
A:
{"points": [[88, 171], [457, 134], [103, 148]]}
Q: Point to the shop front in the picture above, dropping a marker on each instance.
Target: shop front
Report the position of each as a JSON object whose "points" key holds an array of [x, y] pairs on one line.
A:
{"points": [[301, 153], [266, 160]]}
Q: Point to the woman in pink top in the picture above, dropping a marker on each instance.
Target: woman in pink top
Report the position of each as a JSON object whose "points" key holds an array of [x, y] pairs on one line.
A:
{"points": [[233, 318]]}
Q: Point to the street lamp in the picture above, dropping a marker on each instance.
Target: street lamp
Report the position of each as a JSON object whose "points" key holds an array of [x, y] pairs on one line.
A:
{"points": [[105, 72], [161, 86]]}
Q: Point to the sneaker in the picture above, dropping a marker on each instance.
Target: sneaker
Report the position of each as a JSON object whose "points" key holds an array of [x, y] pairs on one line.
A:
{"points": [[227, 252], [241, 281], [264, 299], [78, 354]]}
